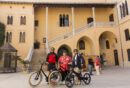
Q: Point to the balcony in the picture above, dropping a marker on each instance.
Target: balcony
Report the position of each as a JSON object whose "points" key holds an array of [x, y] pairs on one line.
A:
{"points": [[83, 28]]}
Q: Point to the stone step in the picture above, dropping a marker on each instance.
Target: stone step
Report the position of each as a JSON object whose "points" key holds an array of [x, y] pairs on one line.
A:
{"points": [[39, 55]]}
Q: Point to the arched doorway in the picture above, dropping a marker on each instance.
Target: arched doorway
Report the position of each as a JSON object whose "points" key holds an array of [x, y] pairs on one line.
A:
{"points": [[89, 20], [66, 48], [108, 48], [85, 45]]}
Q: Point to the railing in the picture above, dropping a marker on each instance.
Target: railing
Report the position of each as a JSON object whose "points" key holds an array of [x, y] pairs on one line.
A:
{"points": [[29, 56], [102, 24], [78, 30], [84, 27]]}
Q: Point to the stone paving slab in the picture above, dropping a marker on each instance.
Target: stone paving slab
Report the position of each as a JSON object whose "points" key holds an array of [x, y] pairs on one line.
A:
{"points": [[114, 77]]}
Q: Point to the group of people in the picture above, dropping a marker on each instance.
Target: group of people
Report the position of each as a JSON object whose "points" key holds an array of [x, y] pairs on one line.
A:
{"points": [[77, 61], [95, 64]]}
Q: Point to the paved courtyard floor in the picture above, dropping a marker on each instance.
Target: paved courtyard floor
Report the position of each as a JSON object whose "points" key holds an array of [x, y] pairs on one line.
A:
{"points": [[112, 77]]}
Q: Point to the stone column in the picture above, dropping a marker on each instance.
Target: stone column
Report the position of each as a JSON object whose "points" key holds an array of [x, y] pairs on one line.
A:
{"points": [[46, 30], [73, 21], [93, 14]]}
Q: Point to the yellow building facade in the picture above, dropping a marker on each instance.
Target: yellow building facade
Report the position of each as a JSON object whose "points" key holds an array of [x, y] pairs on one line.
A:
{"points": [[94, 27]]}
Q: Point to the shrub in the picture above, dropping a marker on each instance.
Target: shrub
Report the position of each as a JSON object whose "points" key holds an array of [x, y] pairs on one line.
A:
{"points": [[2, 34]]}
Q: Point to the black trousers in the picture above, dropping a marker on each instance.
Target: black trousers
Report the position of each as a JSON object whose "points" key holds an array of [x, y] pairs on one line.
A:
{"points": [[51, 66], [64, 74]]}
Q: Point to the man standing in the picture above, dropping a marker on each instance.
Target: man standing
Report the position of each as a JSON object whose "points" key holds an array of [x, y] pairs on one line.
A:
{"points": [[90, 66], [78, 61], [52, 60]]}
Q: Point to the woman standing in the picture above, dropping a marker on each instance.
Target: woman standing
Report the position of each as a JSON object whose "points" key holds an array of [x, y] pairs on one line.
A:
{"points": [[97, 65], [63, 62]]}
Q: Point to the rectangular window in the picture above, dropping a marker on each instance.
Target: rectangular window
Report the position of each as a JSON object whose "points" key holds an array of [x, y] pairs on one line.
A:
{"points": [[22, 36], [9, 37], [127, 35], [127, 10], [10, 20], [23, 20], [128, 52], [63, 20], [36, 23], [124, 11], [123, 8], [121, 12]]}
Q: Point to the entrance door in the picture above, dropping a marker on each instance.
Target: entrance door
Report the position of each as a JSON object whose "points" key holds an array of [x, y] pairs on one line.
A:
{"points": [[116, 57], [7, 60]]}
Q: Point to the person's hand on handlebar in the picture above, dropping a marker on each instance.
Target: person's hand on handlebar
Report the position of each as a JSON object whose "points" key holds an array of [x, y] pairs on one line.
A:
{"points": [[70, 63]]}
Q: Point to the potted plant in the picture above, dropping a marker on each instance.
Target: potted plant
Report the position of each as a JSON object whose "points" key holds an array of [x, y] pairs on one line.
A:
{"points": [[24, 63]]}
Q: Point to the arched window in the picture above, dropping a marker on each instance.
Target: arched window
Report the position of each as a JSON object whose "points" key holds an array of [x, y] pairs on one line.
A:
{"points": [[67, 20], [81, 45], [111, 18], [107, 44], [63, 20], [60, 20]]}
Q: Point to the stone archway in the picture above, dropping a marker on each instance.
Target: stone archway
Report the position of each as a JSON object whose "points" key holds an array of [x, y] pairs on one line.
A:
{"points": [[85, 45], [66, 48], [108, 45]]}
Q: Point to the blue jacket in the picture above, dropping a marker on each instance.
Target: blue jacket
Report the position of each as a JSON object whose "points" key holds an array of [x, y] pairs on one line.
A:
{"points": [[78, 62]]}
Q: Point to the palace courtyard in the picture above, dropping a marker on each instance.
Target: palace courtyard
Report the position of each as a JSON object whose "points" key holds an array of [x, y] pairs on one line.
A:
{"points": [[112, 77]]}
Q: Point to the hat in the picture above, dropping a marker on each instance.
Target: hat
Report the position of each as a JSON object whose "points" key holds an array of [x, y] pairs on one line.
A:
{"points": [[52, 48]]}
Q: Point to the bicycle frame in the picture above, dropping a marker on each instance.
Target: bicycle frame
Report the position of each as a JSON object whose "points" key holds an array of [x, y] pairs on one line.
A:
{"points": [[42, 71], [79, 75]]}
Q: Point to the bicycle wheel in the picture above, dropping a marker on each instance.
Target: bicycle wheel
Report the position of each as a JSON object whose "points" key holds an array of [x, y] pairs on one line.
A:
{"points": [[35, 79], [69, 81], [55, 78], [87, 78]]}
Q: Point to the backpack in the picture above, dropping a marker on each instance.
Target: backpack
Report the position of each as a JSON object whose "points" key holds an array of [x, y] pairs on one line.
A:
{"points": [[52, 58]]}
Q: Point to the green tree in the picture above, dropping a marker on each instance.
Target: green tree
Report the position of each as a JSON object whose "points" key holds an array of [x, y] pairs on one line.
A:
{"points": [[2, 33]]}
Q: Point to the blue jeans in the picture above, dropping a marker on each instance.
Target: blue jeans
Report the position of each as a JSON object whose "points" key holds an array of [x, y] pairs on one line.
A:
{"points": [[90, 69]]}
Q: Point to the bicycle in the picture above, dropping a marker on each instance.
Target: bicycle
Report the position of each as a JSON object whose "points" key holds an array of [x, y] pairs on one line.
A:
{"points": [[70, 79], [36, 77], [55, 77]]}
